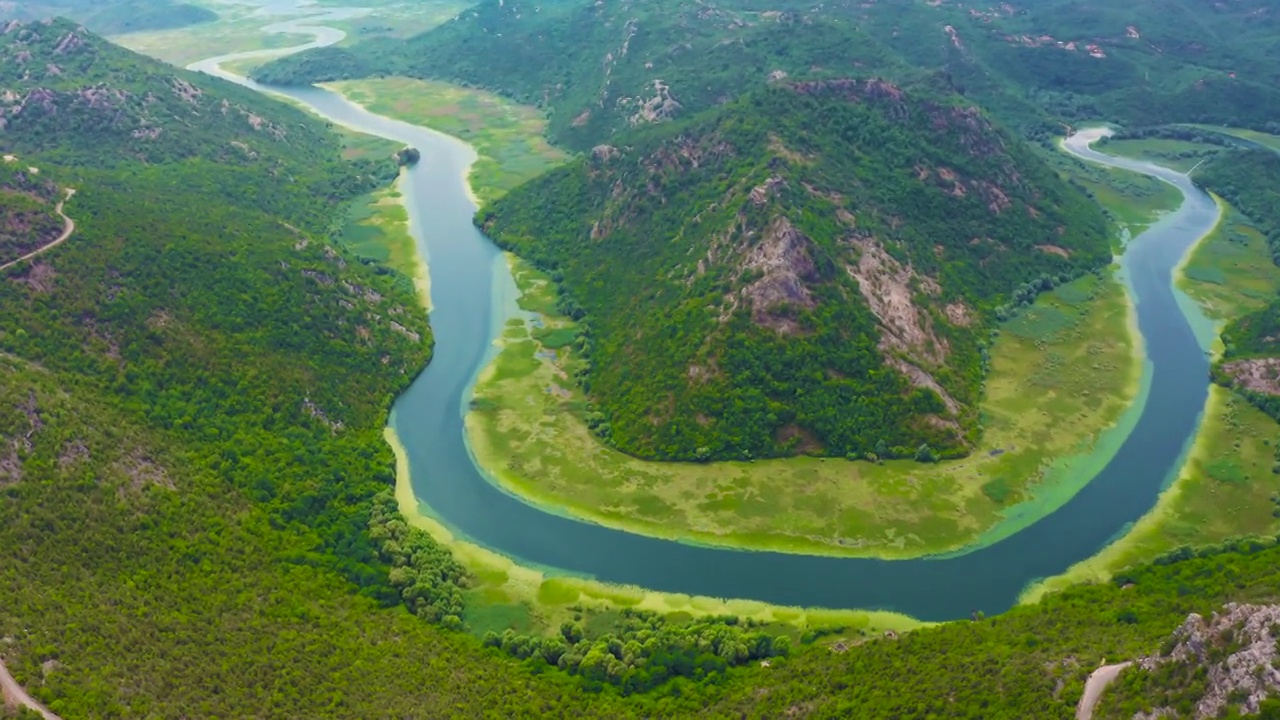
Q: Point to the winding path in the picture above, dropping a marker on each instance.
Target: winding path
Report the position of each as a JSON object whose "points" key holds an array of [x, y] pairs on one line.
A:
{"points": [[13, 694], [1098, 681], [67, 229]]}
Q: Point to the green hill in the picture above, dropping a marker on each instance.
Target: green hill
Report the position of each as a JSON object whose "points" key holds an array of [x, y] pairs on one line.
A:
{"points": [[112, 17], [814, 267], [601, 67]]}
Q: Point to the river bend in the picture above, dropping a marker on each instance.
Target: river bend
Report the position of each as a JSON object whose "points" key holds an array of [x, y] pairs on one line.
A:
{"points": [[472, 295]]}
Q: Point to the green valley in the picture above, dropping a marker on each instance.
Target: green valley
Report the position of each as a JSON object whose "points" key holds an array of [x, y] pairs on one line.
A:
{"points": [[283, 434]]}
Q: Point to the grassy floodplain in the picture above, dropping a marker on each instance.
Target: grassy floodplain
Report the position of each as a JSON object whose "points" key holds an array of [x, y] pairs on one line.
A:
{"points": [[505, 594], [1227, 487], [507, 137], [239, 29], [1181, 155], [1074, 345]]}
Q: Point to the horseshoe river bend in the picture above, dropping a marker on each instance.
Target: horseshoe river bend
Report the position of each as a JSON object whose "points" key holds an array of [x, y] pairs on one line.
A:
{"points": [[473, 294]]}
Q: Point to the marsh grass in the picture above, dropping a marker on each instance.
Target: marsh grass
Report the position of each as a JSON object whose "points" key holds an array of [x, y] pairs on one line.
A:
{"points": [[528, 429], [507, 137], [504, 594], [1181, 155]]}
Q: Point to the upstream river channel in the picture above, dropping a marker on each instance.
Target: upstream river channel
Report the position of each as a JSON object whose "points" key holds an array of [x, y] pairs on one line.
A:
{"points": [[472, 295]]}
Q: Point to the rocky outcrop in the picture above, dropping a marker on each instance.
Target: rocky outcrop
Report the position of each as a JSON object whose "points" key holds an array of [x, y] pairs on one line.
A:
{"points": [[1237, 649]]}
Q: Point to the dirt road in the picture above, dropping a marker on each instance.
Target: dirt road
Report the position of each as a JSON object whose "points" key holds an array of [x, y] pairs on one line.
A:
{"points": [[67, 229], [13, 694], [1098, 681]]}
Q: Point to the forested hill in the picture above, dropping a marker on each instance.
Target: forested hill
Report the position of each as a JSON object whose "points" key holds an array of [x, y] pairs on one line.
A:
{"points": [[814, 267], [111, 17], [79, 100], [599, 67]]}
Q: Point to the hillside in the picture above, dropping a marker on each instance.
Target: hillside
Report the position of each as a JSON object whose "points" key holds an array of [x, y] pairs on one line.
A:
{"points": [[111, 17], [1223, 666], [600, 67], [76, 99], [29, 218], [813, 268]]}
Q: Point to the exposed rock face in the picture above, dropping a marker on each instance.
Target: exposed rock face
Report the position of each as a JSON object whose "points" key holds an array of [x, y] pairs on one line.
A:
{"points": [[1237, 647], [1260, 375], [782, 257]]}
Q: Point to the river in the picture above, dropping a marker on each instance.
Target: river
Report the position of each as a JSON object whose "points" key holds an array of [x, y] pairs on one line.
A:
{"points": [[472, 295]]}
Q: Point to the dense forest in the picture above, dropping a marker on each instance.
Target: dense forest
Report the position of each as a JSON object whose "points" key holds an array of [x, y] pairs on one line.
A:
{"points": [[111, 17], [749, 285], [598, 68]]}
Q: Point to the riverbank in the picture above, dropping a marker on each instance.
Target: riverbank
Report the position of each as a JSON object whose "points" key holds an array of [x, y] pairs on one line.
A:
{"points": [[509, 139], [1225, 487], [1078, 345], [543, 598]]}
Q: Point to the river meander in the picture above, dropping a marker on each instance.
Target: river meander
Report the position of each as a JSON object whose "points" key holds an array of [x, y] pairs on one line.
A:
{"points": [[473, 294]]}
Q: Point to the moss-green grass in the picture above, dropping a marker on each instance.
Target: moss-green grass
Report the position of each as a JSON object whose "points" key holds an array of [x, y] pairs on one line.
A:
{"points": [[377, 227], [1074, 347], [1181, 155], [235, 31], [1265, 139], [507, 137], [505, 594], [239, 29], [1230, 273]]}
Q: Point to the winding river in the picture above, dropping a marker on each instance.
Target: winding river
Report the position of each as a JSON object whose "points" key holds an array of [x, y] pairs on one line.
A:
{"points": [[472, 294]]}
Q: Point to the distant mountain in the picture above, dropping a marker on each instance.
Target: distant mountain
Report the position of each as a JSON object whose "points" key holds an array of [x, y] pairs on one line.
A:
{"points": [[814, 267], [601, 67], [111, 17]]}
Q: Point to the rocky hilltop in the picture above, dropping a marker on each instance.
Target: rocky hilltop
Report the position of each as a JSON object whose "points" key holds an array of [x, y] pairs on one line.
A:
{"points": [[815, 268], [1221, 666]]}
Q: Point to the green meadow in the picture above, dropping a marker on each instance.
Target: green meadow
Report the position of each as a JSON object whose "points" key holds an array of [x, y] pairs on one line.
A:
{"points": [[507, 137]]}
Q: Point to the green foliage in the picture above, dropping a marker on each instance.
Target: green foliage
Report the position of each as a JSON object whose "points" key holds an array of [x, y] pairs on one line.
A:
{"points": [[593, 65], [645, 650], [712, 265], [79, 100], [112, 17], [28, 215], [1250, 181]]}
